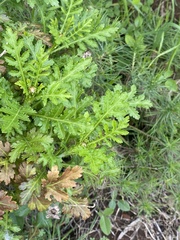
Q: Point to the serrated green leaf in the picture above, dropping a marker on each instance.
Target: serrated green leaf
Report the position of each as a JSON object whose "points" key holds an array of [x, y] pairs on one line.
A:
{"points": [[42, 221], [81, 29], [95, 158], [13, 117], [55, 95], [30, 146], [6, 93], [49, 158]]}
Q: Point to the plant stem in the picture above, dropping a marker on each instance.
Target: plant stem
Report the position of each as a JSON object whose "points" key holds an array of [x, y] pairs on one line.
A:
{"points": [[3, 2], [126, 12], [146, 134], [54, 229]]}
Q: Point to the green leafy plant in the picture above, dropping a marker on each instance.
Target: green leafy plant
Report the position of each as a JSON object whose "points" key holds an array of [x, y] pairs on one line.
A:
{"points": [[53, 125], [77, 80]]}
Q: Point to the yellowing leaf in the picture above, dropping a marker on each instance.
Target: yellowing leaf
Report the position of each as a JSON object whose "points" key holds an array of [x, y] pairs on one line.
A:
{"points": [[66, 180], [79, 209], [26, 170], [6, 173], [57, 194], [1, 214], [2, 68], [6, 203], [53, 174], [4, 148], [55, 185], [39, 203], [30, 188]]}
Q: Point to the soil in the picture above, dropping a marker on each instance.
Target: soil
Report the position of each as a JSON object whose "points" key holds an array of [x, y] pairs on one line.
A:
{"points": [[164, 225], [166, 3]]}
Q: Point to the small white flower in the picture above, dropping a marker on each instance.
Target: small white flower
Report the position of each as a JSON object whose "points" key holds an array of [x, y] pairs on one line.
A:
{"points": [[32, 89], [53, 212], [87, 54]]}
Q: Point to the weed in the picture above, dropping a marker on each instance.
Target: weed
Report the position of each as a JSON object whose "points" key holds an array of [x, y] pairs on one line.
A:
{"points": [[77, 82]]}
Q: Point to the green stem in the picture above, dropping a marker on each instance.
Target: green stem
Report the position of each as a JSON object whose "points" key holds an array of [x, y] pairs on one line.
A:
{"points": [[172, 58], [163, 53], [126, 12], [3, 2], [134, 60], [22, 74], [161, 43], [42, 18], [6, 220], [98, 122], [172, 10], [54, 229], [67, 15], [34, 234], [145, 134]]}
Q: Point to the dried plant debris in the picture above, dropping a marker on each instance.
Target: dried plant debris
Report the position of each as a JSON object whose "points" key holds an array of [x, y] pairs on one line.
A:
{"points": [[35, 30], [6, 203], [162, 225], [7, 173], [53, 212], [2, 68], [4, 148]]}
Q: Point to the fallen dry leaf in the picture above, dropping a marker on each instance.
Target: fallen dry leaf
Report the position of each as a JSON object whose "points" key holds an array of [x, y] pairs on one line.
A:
{"points": [[39, 203], [2, 68], [1, 214], [4, 148], [7, 173], [79, 209], [55, 185], [69, 175], [57, 194], [6, 203], [26, 171], [53, 175]]}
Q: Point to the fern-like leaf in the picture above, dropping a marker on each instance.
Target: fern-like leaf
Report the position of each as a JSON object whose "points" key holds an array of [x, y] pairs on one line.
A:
{"points": [[6, 94], [93, 158], [82, 29], [30, 146], [76, 73], [30, 189], [13, 117], [17, 58], [117, 104]]}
